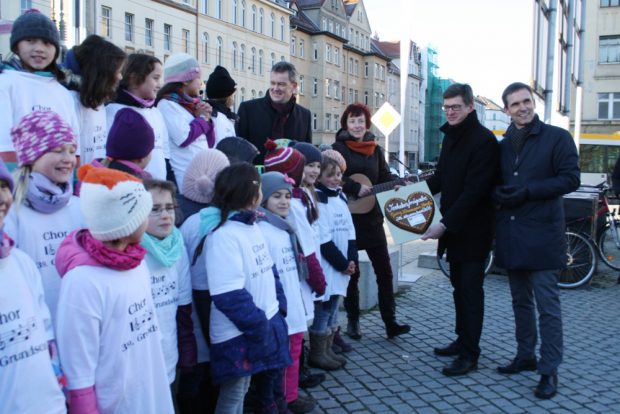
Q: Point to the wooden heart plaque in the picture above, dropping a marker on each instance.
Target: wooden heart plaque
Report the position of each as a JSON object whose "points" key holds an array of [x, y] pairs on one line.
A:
{"points": [[414, 214]]}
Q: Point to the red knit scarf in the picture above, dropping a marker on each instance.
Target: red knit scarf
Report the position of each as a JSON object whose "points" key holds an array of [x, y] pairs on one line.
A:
{"points": [[128, 259], [366, 148]]}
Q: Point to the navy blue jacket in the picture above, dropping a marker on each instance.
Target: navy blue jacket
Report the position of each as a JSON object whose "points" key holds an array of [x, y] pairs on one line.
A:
{"points": [[531, 236]]}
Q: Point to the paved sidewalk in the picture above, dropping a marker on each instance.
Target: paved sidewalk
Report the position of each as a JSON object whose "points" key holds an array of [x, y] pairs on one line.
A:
{"points": [[403, 375]]}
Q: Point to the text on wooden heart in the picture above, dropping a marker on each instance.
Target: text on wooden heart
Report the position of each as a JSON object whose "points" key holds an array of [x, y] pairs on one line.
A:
{"points": [[414, 214]]}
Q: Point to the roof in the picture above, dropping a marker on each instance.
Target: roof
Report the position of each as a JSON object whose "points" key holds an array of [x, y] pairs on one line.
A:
{"points": [[304, 23], [309, 3], [489, 104]]}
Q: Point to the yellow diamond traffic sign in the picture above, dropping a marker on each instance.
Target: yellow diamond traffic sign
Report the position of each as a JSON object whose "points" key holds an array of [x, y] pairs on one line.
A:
{"points": [[386, 119]]}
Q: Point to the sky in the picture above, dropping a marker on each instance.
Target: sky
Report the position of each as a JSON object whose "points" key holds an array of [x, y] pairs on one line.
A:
{"points": [[486, 43]]}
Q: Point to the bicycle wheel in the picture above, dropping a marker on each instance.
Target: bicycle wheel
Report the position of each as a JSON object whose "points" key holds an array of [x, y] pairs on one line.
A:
{"points": [[607, 247], [444, 266], [580, 261]]}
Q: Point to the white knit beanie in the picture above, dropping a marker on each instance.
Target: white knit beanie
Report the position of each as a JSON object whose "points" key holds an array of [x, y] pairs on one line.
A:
{"points": [[199, 179], [181, 67], [114, 204]]}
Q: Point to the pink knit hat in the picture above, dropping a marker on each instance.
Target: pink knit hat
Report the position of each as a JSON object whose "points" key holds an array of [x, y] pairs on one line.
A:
{"points": [[199, 179], [336, 156], [40, 132]]}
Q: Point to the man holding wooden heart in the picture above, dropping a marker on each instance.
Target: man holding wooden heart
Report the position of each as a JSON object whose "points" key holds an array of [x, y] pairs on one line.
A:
{"points": [[465, 174]]}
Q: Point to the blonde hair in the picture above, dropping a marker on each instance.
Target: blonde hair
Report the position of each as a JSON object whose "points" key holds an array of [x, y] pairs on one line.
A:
{"points": [[21, 177]]}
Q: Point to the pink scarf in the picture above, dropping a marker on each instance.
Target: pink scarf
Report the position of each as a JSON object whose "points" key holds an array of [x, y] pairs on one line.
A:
{"points": [[6, 243], [130, 258]]}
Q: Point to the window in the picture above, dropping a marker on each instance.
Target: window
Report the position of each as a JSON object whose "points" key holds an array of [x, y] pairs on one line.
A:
{"points": [[328, 87], [242, 94], [609, 49], [261, 20], [25, 5], [242, 58], [331, 26], [148, 32], [204, 6], [273, 59], [609, 105], [337, 89], [205, 47], [351, 65], [328, 53], [315, 52], [253, 17], [253, 94], [366, 69], [129, 27], [282, 28], [337, 29], [350, 101], [337, 56], [218, 9], [356, 68], [328, 122], [234, 10], [186, 40], [167, 37], [234, 56], [355, 97], [272, 25], [293, 46], [253, 67], [605, 3], [302, 86], [314, 122], [243, 13], [219, 51], [261, 58], [106, 17], [366, 98], [302, 46], [324, 24], [315, 87], [343, 93]]}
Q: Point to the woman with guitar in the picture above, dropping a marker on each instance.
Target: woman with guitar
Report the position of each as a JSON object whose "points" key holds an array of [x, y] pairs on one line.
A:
{"points": [[365, 157]]}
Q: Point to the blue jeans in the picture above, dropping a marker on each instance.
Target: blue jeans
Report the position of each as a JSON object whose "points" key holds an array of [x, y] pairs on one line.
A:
{"points": [[538, 289], [231, 396], [325, 315]]}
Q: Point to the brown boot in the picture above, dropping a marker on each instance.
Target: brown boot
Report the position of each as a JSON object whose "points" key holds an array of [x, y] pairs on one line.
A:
{"points": [[318, 358], [330, 352]]}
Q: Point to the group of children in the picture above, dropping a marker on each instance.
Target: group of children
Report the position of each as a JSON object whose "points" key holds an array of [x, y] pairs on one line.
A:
{"points": [[106, 304]]}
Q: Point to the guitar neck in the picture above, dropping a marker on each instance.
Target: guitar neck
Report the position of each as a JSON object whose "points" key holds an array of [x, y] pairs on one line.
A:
{"points": [[379, 188]]}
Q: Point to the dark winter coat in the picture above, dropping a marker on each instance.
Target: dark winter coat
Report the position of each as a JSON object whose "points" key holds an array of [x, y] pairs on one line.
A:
{"points": [[531, 236], [368, 226], [465, 176], [256, 118]]}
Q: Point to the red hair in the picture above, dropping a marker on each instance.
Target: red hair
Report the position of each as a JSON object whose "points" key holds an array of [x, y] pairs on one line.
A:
{"points": [[355, 109]]}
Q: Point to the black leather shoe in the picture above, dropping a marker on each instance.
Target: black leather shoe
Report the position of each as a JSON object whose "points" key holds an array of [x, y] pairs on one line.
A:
{"points": [[353, 329], [547, 387], [518, 365], [395, 330], [451, 350], [460, 366]]}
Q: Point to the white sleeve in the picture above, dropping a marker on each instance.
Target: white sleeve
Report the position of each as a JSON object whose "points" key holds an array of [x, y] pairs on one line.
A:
{"points": [[175, 118], [6, 116], [78, 331], [110, 113], [185, 281], [325, 235], [11, 225], [224, 264]]}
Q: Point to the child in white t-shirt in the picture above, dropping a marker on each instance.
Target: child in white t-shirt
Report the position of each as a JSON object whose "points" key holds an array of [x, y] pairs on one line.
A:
{"points": [[29, 80], [27, 381], [137, 90], [108, 334], [171, 286], [247, 328], [338, 253], [46, 210], [285, 250], [95, 70]]}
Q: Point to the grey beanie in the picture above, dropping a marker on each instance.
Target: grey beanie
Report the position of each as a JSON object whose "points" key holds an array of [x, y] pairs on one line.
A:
{"points": [[273, 181], [34, 25]]}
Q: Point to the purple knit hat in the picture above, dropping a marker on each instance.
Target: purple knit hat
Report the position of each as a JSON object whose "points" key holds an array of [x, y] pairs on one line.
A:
{"points": [[130, 137], [38, 133], [5, 175]]}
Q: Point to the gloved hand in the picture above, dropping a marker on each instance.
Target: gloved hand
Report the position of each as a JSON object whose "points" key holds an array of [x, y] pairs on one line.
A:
{"points": [[316, 278], [510, 195]]}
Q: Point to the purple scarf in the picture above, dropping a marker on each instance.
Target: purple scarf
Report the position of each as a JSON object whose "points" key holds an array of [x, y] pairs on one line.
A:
{"points": [[45, 196]]}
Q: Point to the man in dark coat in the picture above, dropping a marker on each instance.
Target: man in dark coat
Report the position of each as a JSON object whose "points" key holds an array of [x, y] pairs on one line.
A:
{"points": [[275, 115], [465, 177], [539, 164]]}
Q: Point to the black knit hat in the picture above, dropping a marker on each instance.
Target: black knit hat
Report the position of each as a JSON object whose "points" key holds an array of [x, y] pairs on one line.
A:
{"points": [[34, 25], [220, 84], [237, 149], [309, 151]]}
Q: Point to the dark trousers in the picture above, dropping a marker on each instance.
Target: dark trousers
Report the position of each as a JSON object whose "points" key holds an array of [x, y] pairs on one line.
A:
{"points": [[269, 389], [467, 279], [196, 394], [540, 286], [380, 260]]}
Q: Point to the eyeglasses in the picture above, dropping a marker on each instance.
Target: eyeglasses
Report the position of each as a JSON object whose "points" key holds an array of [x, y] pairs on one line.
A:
{"points": [[168, 208], [453, 108]]}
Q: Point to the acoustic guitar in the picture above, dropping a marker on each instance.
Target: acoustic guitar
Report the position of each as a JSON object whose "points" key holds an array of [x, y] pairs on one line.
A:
{"points": [[361, 205]]}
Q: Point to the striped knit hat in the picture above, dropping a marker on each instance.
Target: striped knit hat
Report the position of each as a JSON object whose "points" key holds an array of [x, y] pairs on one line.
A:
{"points": [[38, 133], [114, 204], [181, 67], [285, 160]]}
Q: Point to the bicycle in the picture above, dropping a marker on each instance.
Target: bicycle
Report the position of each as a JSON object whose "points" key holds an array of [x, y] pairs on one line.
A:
{"points": [[609, 237]]}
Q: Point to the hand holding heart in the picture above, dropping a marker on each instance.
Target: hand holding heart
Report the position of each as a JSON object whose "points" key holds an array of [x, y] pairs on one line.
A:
{"points": [[434, 232]]}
